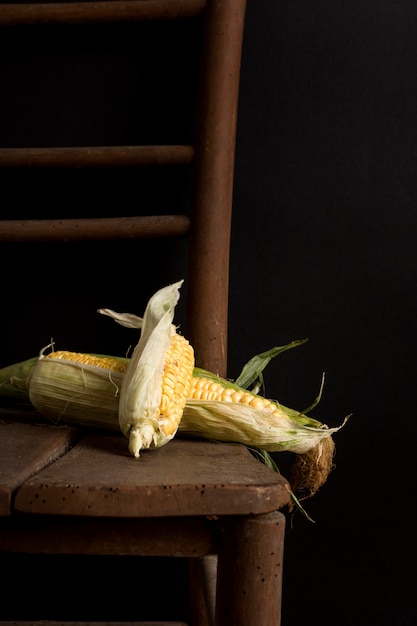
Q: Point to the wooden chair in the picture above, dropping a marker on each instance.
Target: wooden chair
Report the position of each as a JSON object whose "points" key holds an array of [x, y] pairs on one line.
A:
{"points": [[65, 492]]}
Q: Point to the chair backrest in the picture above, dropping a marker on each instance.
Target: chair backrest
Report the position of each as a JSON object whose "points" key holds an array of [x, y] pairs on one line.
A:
{"points": [[210, 155], [200, 500]]}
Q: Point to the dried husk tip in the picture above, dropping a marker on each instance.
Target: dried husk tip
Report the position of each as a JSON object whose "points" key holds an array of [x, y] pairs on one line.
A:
{"points": [[311, 469]]}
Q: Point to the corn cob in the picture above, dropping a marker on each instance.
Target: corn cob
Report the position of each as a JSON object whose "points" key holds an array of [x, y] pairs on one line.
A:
{"points": [[146, 415], [153, 427]]}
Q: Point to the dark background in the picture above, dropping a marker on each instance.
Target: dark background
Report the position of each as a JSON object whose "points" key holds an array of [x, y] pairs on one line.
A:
{"points": [[324, 247]]}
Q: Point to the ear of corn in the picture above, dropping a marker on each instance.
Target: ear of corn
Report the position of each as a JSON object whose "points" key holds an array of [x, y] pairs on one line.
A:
{"points": [[151, 419], [148, 416]]}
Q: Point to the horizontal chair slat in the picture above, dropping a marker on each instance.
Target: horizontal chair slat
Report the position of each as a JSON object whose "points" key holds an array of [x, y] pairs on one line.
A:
{"points": [[85, 229], [49, 623], [95, 156], [96, 12]]}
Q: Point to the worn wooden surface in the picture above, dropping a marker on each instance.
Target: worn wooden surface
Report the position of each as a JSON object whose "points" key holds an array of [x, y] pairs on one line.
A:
{"points": [[99, 478], [25, 449]]}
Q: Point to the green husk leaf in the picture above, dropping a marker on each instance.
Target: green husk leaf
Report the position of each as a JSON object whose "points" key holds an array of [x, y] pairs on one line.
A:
{"points": [[317, 399], [251, 374], [13, 382]]}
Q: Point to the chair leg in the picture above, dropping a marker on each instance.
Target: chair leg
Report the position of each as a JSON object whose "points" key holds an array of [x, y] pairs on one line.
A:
{"points": [[202, 584], [249, 572]]}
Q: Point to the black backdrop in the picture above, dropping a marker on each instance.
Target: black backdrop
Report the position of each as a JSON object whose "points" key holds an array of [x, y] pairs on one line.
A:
{"points": [[324, 247]]}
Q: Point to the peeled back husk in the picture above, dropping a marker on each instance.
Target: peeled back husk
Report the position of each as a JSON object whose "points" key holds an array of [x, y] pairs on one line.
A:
{"points": [[141, 391]]}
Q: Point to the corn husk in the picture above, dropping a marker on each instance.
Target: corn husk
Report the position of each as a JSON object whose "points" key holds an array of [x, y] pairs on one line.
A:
{"points": [[75, 393], [230, 421], [13, 382], [141, 390]]}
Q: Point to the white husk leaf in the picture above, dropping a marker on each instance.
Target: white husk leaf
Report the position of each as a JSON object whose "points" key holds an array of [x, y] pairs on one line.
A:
{"points": [[129, 320], [241, 423], [141, 390]]}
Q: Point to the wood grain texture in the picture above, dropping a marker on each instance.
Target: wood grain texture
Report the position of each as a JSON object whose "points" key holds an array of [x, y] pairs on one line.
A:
{"points": [[25, 449], [99, 478]]}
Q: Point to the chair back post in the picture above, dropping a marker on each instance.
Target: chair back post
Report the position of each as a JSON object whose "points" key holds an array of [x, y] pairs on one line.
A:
{"points": [[211, 212]]}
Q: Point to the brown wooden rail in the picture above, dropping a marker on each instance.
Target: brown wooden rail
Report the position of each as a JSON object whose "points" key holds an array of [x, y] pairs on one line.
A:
{"points": [[86, 229], [103, 156], [112, 10]]}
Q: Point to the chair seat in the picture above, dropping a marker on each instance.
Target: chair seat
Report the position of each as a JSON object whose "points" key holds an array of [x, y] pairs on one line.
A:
{"points": [[63, 491], [60, 471]]}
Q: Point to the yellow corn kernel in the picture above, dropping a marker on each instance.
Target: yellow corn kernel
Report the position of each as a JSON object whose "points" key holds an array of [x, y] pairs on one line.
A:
{"points": [[107, 362], [219, 410], [206, 389], [176, 380]]}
